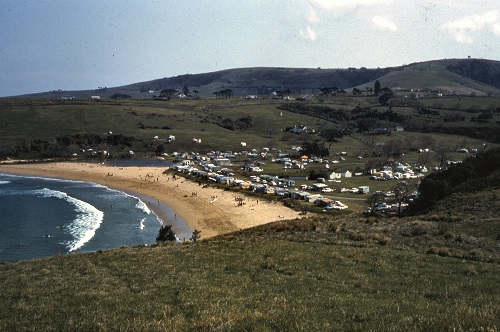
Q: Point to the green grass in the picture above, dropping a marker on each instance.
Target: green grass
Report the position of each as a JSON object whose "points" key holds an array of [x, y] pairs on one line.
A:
{"points": [[239, 284]]}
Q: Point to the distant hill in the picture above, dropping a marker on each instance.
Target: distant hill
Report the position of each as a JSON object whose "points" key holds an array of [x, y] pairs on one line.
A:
{"points": [[450, 76]]}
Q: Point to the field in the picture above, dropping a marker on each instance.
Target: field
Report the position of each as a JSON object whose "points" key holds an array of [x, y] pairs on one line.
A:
{"points": [[248, 282]]}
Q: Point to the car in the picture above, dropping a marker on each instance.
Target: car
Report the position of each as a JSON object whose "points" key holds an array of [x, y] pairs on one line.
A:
{"points": [[382, 207], [327, 190]]}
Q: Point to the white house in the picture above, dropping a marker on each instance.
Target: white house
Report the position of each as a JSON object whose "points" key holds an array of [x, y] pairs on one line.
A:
{"points": [[332, 175], [345, 173]]}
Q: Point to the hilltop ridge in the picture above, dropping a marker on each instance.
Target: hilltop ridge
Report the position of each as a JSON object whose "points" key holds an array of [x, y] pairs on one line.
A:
{"points": [[449, 76]]}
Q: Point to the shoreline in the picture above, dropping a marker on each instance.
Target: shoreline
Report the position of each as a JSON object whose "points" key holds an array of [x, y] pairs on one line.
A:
{"points": [[213, 211]]}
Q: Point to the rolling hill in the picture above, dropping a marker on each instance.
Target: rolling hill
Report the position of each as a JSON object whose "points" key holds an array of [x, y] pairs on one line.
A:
{"points": [[449, 76]]}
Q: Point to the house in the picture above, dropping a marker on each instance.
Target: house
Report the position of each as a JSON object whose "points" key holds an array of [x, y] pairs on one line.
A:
{"points": [[345, 173], [332, 175], [400, 128], [95, 97]]}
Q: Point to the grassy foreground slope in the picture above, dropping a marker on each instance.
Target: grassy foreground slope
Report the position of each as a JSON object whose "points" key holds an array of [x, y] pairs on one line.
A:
{"points": [[251, 283]]}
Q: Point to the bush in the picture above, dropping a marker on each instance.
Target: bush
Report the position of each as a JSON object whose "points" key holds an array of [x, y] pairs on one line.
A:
{"points": [[166, 234]]}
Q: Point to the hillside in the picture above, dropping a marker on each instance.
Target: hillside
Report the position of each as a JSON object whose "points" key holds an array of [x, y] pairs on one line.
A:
{"points": [[435, 273], [459, 76], [454, 76]]}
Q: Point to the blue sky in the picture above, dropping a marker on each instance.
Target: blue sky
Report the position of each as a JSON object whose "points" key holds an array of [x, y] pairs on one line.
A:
{"points": [[84, 44]]}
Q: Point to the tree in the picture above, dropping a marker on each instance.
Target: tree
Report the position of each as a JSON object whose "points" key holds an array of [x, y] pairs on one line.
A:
{"points": [[185, 90], [226, 93], [166, 234], [402, 191], [386, 96], [377, 88], [195, 236], [356, 91], [316, 148], [168, 93], [160, 150], [196, 93], [331, 135], [442, 153], [374, 199]]}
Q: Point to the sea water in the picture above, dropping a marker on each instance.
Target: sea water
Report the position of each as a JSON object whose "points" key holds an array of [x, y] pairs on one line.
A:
{"points": [[41, 217]]}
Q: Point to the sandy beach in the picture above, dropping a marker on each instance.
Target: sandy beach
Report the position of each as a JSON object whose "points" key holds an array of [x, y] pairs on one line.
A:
{"points": [[212, 211]]}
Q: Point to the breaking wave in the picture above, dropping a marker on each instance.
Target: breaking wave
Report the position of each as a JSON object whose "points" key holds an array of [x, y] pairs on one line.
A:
{"points": [[88, 219]]}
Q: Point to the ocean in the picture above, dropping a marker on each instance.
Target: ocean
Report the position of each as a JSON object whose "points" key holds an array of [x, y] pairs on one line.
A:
{"points": [[42, 217]]}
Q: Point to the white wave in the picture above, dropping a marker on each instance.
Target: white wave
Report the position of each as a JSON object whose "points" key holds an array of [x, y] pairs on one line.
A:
{"points": [[88, 218], [4, 182], [33, 177], [142, 224], [142, 206]]}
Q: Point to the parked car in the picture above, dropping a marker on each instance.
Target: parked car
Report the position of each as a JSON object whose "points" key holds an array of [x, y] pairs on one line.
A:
{"points": [[327, 190], [337, 205], [382, 207]]}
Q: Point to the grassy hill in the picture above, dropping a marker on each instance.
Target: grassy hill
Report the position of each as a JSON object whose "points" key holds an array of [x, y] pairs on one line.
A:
{"points": [[460, 76], [323, 274], [447, 76]]}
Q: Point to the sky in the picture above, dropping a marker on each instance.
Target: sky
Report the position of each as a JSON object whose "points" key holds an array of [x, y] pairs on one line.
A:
{"points": [[85, 44]]}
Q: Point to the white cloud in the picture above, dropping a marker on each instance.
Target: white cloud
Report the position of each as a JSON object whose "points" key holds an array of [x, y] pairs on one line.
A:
{"points": [[460, 29], [496, 29], [313, 16], [346, 4], [384, 24], [309, 34]]}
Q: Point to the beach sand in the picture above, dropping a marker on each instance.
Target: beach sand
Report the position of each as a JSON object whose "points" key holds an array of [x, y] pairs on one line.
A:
{"points": [[210, 210]]}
